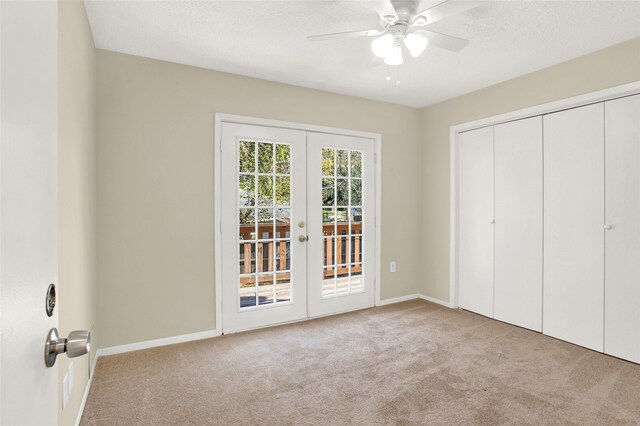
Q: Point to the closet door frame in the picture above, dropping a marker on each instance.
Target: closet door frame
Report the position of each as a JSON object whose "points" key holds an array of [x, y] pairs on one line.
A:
{"points": [[454, 131], [220, 118]]}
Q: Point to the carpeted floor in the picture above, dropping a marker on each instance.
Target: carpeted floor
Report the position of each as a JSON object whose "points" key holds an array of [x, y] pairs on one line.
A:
{"points": [[408, 363]]}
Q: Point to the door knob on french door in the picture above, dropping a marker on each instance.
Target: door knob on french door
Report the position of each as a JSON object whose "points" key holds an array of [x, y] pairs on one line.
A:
{"points": [[78, 343], [302, 238]]}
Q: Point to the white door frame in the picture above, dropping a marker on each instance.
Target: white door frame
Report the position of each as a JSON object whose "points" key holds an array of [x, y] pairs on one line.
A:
{"points": [[217, 189], [547, 108]]}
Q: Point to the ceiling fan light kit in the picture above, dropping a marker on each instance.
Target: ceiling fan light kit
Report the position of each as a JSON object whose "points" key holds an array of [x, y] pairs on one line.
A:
{"points": [[403, 25], [382, 45], [416, 44], [394, 57]]}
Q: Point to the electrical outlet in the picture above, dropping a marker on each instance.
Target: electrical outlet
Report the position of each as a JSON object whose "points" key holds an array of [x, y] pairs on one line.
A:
{"points": [[70, 373], [392, 266], [65, 391], [67, 386]]}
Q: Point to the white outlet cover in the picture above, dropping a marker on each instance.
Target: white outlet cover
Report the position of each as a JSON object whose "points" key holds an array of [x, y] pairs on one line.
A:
{"points": [[65, 391], [70, 374]]}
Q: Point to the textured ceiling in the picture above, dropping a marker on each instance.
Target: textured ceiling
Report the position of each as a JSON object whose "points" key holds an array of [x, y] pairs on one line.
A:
{"points": [[267, 39]]}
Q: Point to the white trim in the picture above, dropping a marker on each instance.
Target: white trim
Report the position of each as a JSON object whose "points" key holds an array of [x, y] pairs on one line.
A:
{"points": [[217, 220], [240, 119], [255, 121], [86, 389], [436, 301], [547, 108], [413, 297], [378, 219], [550, 107], [453, 221], [398, 299], [157, 342]]}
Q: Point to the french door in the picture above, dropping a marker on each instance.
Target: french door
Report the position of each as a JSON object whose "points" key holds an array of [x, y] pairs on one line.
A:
{"points": [[340, 199], [297, 228]]}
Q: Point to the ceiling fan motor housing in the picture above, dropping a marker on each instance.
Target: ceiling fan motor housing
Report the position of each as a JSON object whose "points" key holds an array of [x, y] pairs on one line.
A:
{"points": [[399, 29], [405, 9]]}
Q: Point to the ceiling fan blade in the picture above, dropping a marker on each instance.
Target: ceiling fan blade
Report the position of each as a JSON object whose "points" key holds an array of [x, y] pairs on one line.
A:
{"points": [[444, 41], [332, 36], [386, 11], [443, 10]]}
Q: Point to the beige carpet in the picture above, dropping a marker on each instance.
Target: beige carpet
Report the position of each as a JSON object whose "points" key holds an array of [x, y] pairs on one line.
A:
{"points": [[408, 363]]}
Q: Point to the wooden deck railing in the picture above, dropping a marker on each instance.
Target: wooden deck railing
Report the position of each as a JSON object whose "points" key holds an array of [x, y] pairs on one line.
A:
{"points": [[276, 253]]}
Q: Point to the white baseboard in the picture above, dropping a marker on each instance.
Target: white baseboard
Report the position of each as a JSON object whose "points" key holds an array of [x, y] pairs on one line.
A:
{"points": [[412, 297], [86, 389], [397, 299], [157, 342], [434, 300]]}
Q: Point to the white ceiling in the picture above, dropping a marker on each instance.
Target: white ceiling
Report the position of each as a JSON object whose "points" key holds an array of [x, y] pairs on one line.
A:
{"points": [[267, 39]]}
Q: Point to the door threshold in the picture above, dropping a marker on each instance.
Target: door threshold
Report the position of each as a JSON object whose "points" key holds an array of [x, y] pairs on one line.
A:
{"points": [[242, 330]]}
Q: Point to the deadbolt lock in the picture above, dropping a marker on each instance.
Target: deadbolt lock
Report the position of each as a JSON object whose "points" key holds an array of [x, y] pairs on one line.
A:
{"points": [[301, 224], [50, 301]]}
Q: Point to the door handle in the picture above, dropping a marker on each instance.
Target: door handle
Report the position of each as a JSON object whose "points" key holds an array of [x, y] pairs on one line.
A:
{"points": [[302, 238], [78, 343], [608, 227]]}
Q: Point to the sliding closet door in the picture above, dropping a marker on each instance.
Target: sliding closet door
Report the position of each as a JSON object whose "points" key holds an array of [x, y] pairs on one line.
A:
{"points": [[475, 256], [573, 301], [622, 228], [518, 227]]}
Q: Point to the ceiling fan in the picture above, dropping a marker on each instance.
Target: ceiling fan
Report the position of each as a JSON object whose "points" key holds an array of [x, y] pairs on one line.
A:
{"points": [[402, 24]]}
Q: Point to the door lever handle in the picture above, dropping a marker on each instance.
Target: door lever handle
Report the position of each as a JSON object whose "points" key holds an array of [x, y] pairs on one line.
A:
{"points": [[78, 343]]}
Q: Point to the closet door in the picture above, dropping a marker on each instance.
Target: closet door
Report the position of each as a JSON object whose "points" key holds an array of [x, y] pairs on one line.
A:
{"points": [[518, 227], [622, 228], [475, 256], [573, 301]]}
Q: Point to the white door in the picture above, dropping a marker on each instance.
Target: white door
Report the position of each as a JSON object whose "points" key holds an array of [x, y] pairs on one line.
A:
{"points": [[518, 227], [341, 177], [475, 235], [28, 209], [297, 225], [622, 235], [263, 181], [573, 300]]}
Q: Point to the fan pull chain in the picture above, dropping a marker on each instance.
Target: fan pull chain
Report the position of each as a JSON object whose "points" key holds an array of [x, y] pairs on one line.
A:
{"points": [[388, 77]]}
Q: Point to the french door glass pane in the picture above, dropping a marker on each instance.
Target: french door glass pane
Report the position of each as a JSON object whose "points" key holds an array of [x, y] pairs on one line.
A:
{"points": [[264, 220], [342, 270]]}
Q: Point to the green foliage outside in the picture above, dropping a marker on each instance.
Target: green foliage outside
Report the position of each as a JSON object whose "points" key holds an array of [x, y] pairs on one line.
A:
{"points": [[269, 175]]}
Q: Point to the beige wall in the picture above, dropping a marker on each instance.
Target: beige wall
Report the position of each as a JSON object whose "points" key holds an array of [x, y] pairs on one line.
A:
{"points": [[155, 186], [77, 185], [610, 67]]}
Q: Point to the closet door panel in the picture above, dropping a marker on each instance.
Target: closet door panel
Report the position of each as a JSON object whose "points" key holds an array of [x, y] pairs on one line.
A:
{"points": [[573, 298], [622, 235], [518, 226], [475, 261]]}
